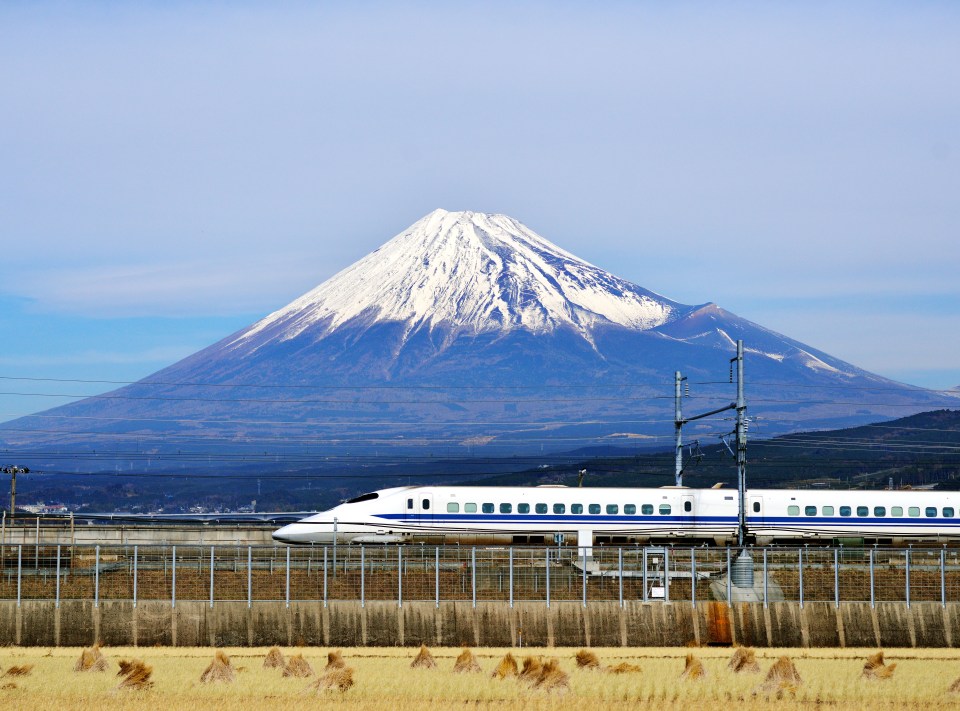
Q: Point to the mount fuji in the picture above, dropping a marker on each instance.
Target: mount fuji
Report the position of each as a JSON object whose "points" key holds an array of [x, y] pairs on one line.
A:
{"points": [[468, 332]]}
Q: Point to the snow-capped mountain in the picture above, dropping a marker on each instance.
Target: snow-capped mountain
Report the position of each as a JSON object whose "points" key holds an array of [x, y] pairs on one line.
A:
{"points": [[468, 272], [470, 330]]}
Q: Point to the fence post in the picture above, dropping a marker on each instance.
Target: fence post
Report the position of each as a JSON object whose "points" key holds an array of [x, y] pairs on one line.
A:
{"points": [[511, 576], [547, 559], [693, 578], [836, 577], [324, 575], [363, 577], [666, 575], [288, 576], [620, 573], [584, 563], [96, 578], [643, 576], [213, 563], [436, 575], [19, 570], [249, 576], [135, 551], [173, 579], [729, 580], [872, 593], [943, 578], [800, 569], [58, 576], [473, 574], [399, 576], [765, 577], [907, 582]]}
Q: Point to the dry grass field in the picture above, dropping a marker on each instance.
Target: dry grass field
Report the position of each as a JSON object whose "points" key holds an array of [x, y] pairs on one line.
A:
{"points": [[382, 679]]}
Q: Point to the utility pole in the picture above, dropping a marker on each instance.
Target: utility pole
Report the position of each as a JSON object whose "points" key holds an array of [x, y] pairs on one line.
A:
{"points": [[13, 471], [741, 433], [678, 427]]}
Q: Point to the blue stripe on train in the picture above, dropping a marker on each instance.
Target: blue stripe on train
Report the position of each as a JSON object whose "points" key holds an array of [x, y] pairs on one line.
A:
{"points": [[656, 519]]}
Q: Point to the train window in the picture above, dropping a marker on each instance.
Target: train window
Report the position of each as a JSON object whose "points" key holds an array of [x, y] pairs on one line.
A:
{"points": [[756, 507], [506, 508], [541, 508], [410, 504], [364, 497], [594, 508], [559, 508], [576, 508], [896, 511], [664, 509], [931, 511], [688, 506], [948, 512], [426, 504], [486, 508], [863, 511], [809, 510], [879, 511], [630, 509], [845, 511], [523, 508], [613, 509], [453, 507], [470, 508], [646, 509], [827, 511], [793, 511], [914, 511]]}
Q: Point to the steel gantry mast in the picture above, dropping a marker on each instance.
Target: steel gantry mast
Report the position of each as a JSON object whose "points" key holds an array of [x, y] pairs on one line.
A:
{"points": [[740, 433]]}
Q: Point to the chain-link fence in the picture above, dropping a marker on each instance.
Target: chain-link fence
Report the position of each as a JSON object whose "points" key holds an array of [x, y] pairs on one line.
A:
{"points": [[509, 574]]}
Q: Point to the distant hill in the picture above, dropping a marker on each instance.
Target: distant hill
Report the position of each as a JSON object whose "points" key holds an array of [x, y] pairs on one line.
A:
{"points": [[919, 450]]}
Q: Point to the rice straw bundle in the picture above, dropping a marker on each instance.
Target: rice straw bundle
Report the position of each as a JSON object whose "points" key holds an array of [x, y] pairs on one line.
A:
{"points": [[744, 660], [274, 659], [466, 663], [506, 667], [552, 678], [693, 669], [137, 677], [19, 671], [339, 678], [298, 667], [624, 668], [334, 661], [218, 670], [424, 660], [91, 659], [876, 670], [532, 667], [781, 678], [587, 660]]}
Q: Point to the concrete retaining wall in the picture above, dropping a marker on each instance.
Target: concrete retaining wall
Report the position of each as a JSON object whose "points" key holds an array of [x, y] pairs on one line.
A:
{"points": [[785, 624]]}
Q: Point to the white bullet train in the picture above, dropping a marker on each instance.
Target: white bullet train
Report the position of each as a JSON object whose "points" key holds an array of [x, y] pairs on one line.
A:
{"points": [[589, 516]]}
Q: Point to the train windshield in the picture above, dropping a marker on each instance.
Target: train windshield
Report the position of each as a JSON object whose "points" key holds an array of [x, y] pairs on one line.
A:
{"points": [[364, 497]]}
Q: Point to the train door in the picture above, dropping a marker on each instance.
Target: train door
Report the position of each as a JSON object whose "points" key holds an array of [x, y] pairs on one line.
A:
{"points": [[755, 511], [425, 507], [687, 522]]}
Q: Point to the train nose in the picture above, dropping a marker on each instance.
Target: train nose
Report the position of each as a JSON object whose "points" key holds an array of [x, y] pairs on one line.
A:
{"points": [[292, 533]]}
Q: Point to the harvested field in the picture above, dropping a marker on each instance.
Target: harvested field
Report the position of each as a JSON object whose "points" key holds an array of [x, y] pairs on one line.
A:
{"points": [[382, 678]]}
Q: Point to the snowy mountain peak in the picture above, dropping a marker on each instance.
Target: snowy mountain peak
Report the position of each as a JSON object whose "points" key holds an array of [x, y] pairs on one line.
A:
{"points": [[468, 272]]}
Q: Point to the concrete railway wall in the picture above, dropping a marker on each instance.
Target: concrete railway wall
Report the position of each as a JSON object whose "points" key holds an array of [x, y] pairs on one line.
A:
{"points": [[785, 624]]}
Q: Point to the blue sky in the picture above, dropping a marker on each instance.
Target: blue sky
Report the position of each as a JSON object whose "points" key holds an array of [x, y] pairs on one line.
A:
{"points": [[173, 171]]}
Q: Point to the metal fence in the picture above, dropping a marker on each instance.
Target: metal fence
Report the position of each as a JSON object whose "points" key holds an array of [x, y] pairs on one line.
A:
{"points": [[213, 574]]}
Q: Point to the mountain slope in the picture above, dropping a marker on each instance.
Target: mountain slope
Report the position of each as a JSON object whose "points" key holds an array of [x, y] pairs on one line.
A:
{"points": [[467, 331]]}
